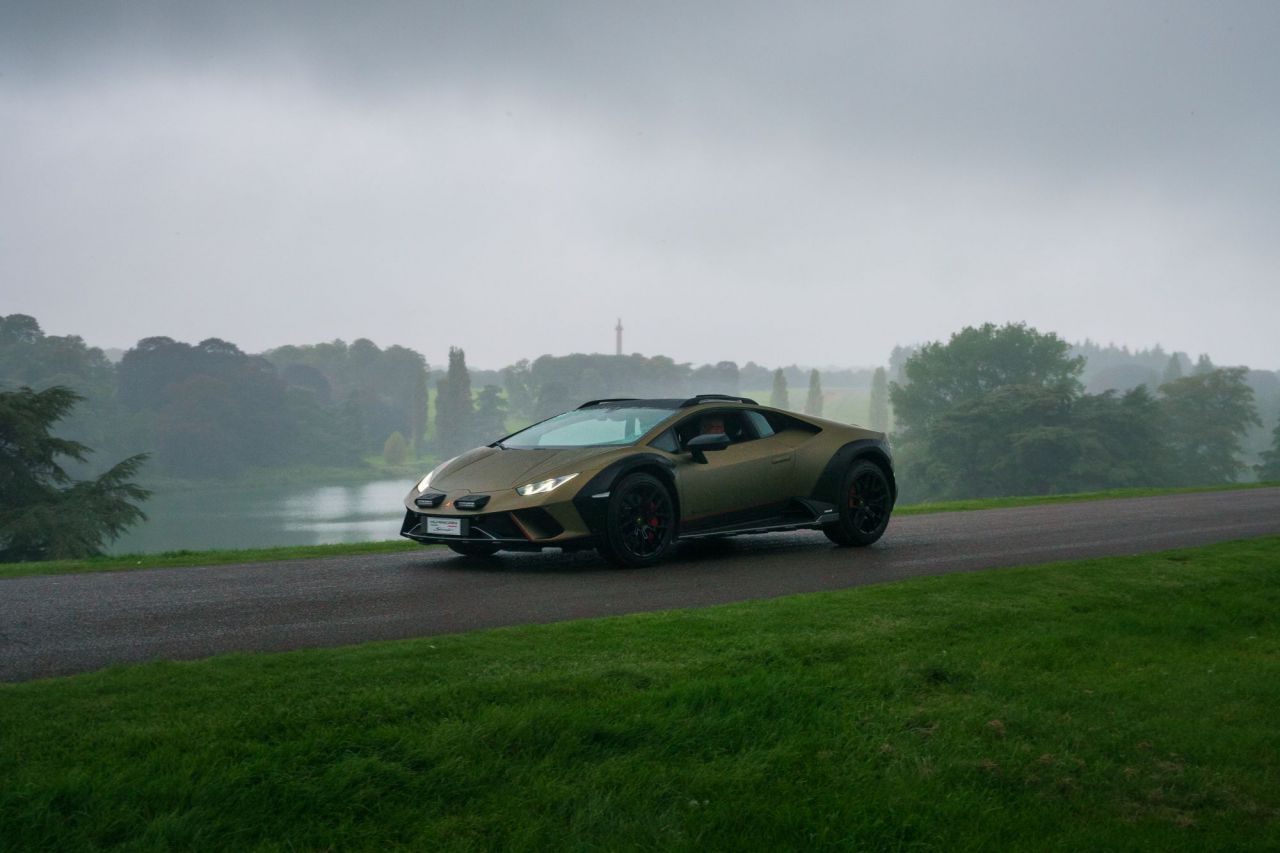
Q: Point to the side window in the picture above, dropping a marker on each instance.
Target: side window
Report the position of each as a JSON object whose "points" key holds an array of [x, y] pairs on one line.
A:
{"points": [[666, 441], [730, 423], [760, 424], [781, 423]]}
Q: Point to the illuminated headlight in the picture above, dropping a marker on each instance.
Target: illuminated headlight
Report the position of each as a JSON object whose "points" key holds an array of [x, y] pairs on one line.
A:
{"points": [[544, 486], [425, 482]]}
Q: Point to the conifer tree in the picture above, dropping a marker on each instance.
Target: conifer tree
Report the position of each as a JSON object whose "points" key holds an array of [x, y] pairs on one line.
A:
{"points": [[454, 409], [395, 450], [1172, 370], [491, 414], [1203, 365], [780, 398], [813, 403], [44, 513]]}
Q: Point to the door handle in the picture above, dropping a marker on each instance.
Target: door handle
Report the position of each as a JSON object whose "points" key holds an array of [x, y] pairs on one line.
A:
{"points": [[786, 457]]}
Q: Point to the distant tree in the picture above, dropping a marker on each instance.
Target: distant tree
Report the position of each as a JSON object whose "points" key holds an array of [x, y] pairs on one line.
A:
{"points": [[454, 407], [898, 361], [974, 362], [491, 414], [780, 398], [1269, 470], [44, 514], [1204, 366], [554, 398], [719, 378], [29, 357], [1122, 377], [1172, 370], [516, 381], [352, 428], [1026, 440], [752, 375], [879, 415], [813, 402], [1206, 415], [395, 450], [1122, 441]]}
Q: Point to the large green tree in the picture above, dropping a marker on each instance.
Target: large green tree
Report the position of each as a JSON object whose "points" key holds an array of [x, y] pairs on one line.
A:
{"points": [[44, 513], [1269, 470], [1206, 415], [974, 362]]}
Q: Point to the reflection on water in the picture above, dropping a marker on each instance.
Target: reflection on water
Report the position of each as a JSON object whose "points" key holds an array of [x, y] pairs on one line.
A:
{"points": [[263, 516]]}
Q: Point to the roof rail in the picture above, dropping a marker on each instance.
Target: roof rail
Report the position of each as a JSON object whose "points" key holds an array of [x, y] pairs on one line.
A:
{"points": [[591, 403], [711, 398]]}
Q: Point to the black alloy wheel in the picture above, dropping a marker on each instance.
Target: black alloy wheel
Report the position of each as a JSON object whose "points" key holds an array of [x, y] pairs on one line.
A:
{"points": [[474, 549], [641, 523], [866, 500]]}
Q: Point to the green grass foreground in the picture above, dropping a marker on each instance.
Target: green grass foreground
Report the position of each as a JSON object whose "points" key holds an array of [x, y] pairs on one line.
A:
{"points": [[1123, 703]]}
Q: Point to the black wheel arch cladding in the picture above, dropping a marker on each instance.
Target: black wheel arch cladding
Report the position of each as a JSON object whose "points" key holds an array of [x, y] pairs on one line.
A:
{"points": [[872, 449], [594, 511]]}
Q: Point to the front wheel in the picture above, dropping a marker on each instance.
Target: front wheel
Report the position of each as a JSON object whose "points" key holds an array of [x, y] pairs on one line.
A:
{"points": [[866, 499], [641, 523], [474, 549]]}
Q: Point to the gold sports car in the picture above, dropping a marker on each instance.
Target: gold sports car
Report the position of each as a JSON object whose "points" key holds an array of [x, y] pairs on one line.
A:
{"points": [[630, 477]]}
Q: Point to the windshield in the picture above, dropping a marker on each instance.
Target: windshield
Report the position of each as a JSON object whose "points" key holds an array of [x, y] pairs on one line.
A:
{"points": [[594, 427]]}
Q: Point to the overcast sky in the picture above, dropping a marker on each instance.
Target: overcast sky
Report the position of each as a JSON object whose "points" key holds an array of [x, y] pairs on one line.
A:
{"points": [[793, 182]]}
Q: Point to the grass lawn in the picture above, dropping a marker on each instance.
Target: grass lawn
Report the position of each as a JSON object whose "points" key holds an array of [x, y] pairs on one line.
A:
{"points": [[1124, 703], [1073, 497]]}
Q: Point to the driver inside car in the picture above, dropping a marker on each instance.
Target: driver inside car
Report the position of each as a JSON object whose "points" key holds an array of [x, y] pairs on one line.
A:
{"points": [[711, 425]]}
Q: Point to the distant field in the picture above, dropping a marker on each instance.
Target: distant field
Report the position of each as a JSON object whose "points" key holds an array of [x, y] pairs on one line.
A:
{"points": [[850, 407], [1124, 703]]}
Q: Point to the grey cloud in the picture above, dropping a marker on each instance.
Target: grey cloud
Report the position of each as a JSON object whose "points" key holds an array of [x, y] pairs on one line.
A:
{"points": [[960, 162]]}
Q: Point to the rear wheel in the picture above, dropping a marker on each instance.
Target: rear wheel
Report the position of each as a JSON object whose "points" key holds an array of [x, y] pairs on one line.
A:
{"points": [[474, 549], [641, 523], [866, 499]]}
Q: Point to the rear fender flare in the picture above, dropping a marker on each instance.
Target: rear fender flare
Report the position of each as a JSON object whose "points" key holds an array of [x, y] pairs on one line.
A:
{"points": [[874, 449]]}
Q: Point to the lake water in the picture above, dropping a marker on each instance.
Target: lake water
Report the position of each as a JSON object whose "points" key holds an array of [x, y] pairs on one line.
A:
{"points": [[264, 516]]}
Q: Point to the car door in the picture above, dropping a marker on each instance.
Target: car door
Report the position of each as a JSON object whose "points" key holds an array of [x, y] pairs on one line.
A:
{"points": [[747, 476]]}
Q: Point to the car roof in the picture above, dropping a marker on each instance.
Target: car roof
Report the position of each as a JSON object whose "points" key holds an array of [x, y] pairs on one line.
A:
{"points": [[666, 403]]}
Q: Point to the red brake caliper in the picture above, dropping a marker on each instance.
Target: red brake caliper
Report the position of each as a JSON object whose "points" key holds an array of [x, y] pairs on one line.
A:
{"points": [[653, 522]]}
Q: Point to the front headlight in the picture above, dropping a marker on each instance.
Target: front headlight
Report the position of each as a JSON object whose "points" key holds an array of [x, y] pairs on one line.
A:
{"points": [[425, 482], [544, 486]]}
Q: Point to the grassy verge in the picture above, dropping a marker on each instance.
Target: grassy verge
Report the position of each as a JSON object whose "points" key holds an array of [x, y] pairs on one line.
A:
{"points": [[1074, 497], [178, 559], [174, 559], [1124, 703]]}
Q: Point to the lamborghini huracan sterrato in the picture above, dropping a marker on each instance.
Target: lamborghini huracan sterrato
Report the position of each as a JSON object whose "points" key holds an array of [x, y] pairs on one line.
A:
{"points": [[631, 477]]}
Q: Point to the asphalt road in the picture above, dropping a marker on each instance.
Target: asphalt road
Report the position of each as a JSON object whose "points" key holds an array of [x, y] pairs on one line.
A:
{"points": [[60, 624]]}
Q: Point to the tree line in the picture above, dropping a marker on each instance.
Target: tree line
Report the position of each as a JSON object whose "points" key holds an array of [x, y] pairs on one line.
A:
{"points": [[1002, 411], [993, 411]]}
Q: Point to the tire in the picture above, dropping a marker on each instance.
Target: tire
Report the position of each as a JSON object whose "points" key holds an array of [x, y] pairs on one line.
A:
{"points": [[866, 500], [474, 549], [640, 526]]}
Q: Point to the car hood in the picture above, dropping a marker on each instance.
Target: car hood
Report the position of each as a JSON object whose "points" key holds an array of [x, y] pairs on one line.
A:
{"points": [[492, 469]]}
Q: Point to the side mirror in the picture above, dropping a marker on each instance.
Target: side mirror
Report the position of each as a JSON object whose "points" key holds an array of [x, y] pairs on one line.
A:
{"points": [[700, 444]]}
